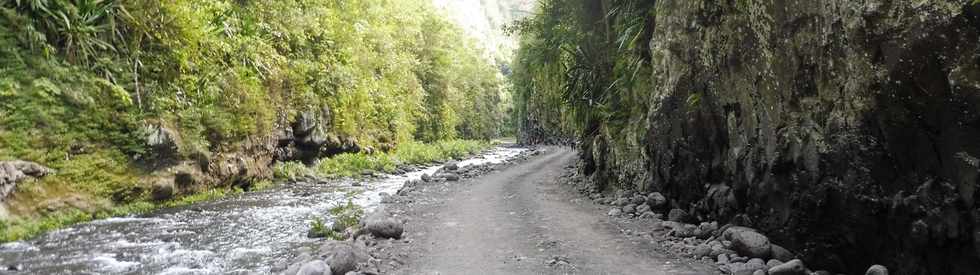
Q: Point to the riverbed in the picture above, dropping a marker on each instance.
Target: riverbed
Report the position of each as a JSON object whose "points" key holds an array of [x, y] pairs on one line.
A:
{"points": [[245, 234]]}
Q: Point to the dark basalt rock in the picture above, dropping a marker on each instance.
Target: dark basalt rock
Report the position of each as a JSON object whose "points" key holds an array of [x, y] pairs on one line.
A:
{"points": [[847, 130], [13, 172]]}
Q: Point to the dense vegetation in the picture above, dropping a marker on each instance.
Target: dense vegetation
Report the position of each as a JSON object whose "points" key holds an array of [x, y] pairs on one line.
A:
{"points": [[83, 82], [583, 71], [354, 164], [578, 66]]}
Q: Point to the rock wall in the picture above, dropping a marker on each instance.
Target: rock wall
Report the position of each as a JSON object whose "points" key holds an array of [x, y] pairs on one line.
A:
{"points": [[13, 172], [847, 130]]}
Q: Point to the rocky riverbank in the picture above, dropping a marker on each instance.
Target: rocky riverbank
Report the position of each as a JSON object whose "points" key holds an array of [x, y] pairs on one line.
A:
{"points": [[732, 247]]}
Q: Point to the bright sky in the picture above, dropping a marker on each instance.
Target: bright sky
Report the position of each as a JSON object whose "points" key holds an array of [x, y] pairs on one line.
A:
{"points": [[484, 19]]}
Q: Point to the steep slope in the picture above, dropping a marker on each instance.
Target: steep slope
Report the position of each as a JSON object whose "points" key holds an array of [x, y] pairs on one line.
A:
{"points": [[844, 129]]}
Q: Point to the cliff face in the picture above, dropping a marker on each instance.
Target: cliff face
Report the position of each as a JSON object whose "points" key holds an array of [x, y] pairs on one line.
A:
{"points": [[849, 130]]}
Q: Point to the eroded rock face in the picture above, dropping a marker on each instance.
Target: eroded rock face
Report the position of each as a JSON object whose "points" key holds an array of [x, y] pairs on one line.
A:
{"points": [[13, 172], [310, 138], [847, 129]]}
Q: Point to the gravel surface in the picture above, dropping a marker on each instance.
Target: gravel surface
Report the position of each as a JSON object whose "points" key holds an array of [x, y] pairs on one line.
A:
{"points": [[520, 218]]}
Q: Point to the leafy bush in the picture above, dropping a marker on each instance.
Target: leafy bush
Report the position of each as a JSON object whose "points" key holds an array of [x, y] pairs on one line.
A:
{"points": [[345, 216]]}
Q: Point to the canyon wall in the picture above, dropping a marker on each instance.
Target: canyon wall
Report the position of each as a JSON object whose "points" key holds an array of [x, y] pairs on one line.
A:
{"points": [[848, 130]]}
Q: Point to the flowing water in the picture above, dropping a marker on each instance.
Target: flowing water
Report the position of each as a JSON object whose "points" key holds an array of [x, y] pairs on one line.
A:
{"points": [[246, 234]]}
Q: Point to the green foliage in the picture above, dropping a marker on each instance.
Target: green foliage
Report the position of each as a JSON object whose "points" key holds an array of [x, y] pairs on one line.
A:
{"points": [[82, 79], [320, 230], [345, 216], [347, 165], [209, 195], [354, 164], [11, 230], [292, 170], [419, 153], [579, 66]]}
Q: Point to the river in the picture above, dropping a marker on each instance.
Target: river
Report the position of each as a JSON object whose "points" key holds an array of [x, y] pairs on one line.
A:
{"points": [[251, 233]]}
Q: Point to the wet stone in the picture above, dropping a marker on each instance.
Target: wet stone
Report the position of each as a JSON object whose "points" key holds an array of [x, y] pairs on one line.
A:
{"points": [[877, 270], [317, 267], [629, 209], [615, 212], [677, 215], [794, 267]]}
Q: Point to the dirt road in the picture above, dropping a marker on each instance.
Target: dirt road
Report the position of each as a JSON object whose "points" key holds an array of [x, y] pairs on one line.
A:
{"points": [[522, 221]]}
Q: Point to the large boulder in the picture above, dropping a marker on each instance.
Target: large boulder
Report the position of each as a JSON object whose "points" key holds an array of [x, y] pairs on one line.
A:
{"points": [[380, 224], [656, 200], [751, 244], [343, 256], [794, 267]]}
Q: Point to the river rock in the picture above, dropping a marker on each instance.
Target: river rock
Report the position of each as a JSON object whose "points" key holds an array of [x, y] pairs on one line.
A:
{"points": [[702, 250], [162, 190], [621, 202], [650, 215], [381, 225], [317, 267], [877, 270], [615, 212], [719, 249], [751, 244], [794, 267], [773, 262], [749, 267], [656, 200], [722, 259], [730, 231], [342, 257], [629, 209], [643, 208], [426, 178], [677, 215], [684, 230], [638, 199], [780, 253], [451, 166], [451, 177], [705, 229]]}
